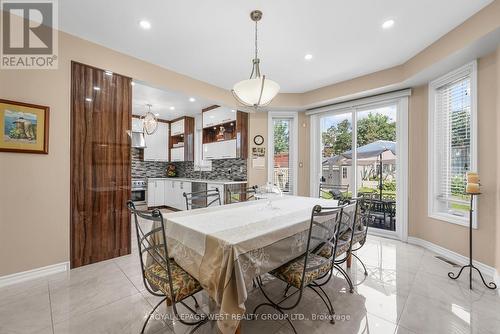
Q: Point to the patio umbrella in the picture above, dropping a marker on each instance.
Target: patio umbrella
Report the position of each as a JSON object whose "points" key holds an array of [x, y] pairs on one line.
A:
{"points": [[371, 150]]}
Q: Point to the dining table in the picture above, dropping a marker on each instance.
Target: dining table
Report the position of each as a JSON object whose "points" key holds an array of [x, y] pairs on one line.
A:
{"points": [[226, 247]]}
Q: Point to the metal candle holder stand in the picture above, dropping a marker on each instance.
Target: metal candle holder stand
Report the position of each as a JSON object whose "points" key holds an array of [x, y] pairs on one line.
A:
{"points": [[471, 266]]}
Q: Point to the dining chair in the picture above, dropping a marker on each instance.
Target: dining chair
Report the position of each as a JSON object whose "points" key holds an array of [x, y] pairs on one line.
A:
{"points": [[345, 240], [161, 275], [202, 199], [309, 270], [364, 219], [242, 194], [333, 191]]}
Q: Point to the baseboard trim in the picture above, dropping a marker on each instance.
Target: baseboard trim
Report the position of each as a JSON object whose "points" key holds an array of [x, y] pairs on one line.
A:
{"points": [[33, 273], [455, 257]]}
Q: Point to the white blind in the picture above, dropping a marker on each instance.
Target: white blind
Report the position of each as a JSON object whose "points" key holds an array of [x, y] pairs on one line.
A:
{"points": [[452, 138], [282, 155]]}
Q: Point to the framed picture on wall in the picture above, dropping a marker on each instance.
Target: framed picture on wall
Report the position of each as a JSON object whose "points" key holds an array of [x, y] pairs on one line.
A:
{"points": [[24, 127]]}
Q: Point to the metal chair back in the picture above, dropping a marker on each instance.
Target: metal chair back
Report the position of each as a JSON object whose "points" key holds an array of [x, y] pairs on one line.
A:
{"points": [[152, 247], [323, 232], [242, 195], [202, 199]]}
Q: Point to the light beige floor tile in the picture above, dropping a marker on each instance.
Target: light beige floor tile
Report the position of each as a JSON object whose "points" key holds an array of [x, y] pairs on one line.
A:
{"points": [[125, 316], [83, 291], [428, 315], [26, 312]]}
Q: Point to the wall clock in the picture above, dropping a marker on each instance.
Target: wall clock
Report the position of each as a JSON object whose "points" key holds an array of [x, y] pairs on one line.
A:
{"points": [[258, 140]]}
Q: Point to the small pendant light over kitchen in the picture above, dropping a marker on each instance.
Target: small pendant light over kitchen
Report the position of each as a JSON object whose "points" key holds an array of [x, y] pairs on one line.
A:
{"points": [[149, 121], [258, 91]]}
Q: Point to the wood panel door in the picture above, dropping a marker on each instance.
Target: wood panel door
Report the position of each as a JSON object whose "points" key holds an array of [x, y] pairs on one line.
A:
{"points": [[101, 117]]}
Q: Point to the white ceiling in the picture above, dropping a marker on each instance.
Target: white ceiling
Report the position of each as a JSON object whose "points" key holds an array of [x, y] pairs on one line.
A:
{"points": [[162, 101], [213, 40]]}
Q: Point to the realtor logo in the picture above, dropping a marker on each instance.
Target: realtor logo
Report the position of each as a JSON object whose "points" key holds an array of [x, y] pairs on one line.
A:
{"points": [[29, 34]]}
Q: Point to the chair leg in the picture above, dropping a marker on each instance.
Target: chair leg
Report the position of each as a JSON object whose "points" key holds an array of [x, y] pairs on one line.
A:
{"points": [[349, 261], [150, 314], [366, 272], [327, 301], [286, 290], [196, 305], [280, 311], [348, 279]]}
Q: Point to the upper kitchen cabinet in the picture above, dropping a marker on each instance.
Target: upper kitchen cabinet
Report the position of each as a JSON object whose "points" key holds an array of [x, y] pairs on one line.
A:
{"points": [[216, 115], [182, 139], [225, 133], [157, 144]]}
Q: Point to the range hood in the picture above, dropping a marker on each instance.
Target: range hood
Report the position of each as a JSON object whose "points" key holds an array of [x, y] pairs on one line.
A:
{"points": [[138, 140]]}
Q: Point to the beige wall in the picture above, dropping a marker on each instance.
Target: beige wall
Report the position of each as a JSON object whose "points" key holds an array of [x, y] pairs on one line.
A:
{"points": [[258, 126], [450, 236]]}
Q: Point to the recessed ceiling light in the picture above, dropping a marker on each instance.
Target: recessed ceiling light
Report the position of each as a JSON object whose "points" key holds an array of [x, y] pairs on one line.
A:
{"points": [[308, 56], [108, 73], [192, 99], [172, 108], [388, 24], [88, 99], [96, 88], [146, 25]]}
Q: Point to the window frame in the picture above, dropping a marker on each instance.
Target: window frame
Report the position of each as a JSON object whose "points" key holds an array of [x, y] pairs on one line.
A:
{"points": [[468, 70]]}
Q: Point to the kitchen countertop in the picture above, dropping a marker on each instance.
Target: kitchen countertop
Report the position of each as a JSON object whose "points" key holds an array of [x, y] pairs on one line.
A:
{"points": [[197, 180]]}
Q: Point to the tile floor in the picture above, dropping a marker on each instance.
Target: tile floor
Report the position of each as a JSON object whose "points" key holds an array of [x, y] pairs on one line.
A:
{"points": [[406, 291]]}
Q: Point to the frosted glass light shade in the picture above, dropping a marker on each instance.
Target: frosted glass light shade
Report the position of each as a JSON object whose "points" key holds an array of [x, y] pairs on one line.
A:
{"points": [[248, 91]]}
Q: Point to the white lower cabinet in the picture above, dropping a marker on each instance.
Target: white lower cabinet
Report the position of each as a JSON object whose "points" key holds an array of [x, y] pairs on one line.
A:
{"points": [[220, 150], [174, 190], [156, 193], [169, 192]]}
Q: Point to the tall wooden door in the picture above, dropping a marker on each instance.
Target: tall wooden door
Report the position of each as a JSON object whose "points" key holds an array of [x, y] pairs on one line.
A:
{"points": [[101, 117]]}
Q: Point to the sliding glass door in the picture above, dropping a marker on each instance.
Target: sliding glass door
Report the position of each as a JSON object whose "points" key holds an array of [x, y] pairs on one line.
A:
{"points": [[374, 168]]}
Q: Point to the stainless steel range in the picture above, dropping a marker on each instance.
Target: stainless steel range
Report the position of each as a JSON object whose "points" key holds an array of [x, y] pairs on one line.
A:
{"points": [[139, 189]]}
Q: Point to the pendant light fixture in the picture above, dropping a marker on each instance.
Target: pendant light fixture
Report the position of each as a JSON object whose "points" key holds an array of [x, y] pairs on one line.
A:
{"points": [[257, 91]]}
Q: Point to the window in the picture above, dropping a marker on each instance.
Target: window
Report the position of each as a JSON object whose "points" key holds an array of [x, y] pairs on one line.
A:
{"points": [[283, 151], [452, 150], [344, 172]]}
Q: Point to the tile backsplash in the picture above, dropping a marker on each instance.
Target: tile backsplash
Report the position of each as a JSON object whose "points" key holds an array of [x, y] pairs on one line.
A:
{"points": [[225, 169], [143, 169], [221, 169]]}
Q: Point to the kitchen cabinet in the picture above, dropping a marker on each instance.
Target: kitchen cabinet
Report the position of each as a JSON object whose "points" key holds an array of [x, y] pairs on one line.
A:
{"points": [[225, 134], [177, 154], [220, 150], [174, 190], [177, 128], [156, 193], [157, 144], [137, 124], [181, 143], [218, 116]]}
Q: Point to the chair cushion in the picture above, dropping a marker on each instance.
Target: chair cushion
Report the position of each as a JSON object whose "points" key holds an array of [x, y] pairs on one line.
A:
{"points": [[184, 285], [292, 271], [342, 247]]}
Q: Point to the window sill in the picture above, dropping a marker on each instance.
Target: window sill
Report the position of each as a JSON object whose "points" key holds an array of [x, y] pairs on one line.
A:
{"points": [[453, 219]]}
